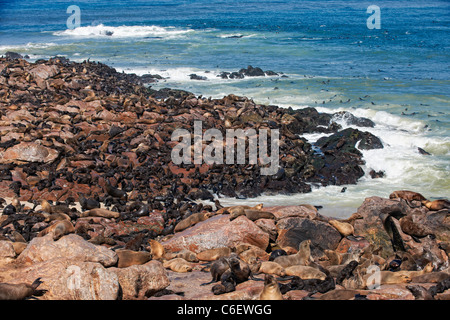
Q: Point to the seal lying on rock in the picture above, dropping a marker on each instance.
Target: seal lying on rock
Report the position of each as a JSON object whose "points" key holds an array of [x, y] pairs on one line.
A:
{"points": [[193, 219], [20, 291], [252, 214]]}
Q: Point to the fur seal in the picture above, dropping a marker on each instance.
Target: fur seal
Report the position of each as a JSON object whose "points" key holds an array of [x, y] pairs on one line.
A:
{"points": [[270, 267], [437, 205], [192, 220], [59, 229], [20, 291], [344, 228], [253, 215], [253, 253], [130, 258], [19, 247], [407, 195], [185, 254], [114, 192], [276, 253], [271, 289], [389, 277], [178, 265], [411, 225], [156, 249], [302, 257], [305, 272], [238, 209], [100, 212], [214, 254], [87, 203], [419, 292], [217, 269]]}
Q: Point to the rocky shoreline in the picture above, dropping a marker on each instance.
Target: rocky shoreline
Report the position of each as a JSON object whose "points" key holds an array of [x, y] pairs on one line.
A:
{"points": [[91, 198]]}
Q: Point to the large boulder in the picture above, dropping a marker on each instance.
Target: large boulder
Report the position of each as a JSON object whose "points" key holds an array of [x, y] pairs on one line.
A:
{"points": [[28, 152], [292, 231], [71, 247], [66, 279], [141, 281], [217, 232]]}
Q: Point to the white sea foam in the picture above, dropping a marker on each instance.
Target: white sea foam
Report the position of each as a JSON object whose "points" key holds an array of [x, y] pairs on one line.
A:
{"points": [[25, 47], [102, 31]]}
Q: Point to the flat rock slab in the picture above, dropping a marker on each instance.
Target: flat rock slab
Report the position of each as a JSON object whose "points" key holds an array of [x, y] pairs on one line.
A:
{"points": [[217, 232]]}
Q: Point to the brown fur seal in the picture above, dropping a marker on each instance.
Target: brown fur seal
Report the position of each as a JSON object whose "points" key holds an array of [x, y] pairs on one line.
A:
{"points": [[19, 247], [253, 215], [302, 257], [305, 272], [21, 291], [56, 216], [217, 269], [101, 212], [437, 205], [230, 210], [412, 226], [240, 270], [253, 253], [156, 249], [271, 289], [214, 254], [389, 277], [407, 195], [130, 258], [178, 265], [185, 254], [344, 228], [270, 267], [193, 219], [59, 229]]}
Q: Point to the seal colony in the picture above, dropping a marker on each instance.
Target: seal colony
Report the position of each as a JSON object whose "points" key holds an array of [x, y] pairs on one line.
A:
{"points": [[85, 171]]}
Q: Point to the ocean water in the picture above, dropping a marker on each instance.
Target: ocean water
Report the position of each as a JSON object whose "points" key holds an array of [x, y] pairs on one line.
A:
{"points": [[398, 75]]}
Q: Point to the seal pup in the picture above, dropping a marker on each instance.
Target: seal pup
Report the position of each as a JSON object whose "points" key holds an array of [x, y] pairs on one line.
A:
{"points": [[87, 203], [419, 292], [178, 265], [217, 269], [156, 249], [302, 257], [271, 289], [21, 291], [115, 192], [129, 258], [276, 253]]}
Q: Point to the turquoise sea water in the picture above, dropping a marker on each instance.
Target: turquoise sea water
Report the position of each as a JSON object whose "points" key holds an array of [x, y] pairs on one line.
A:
{"points": [[398, 75]]}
